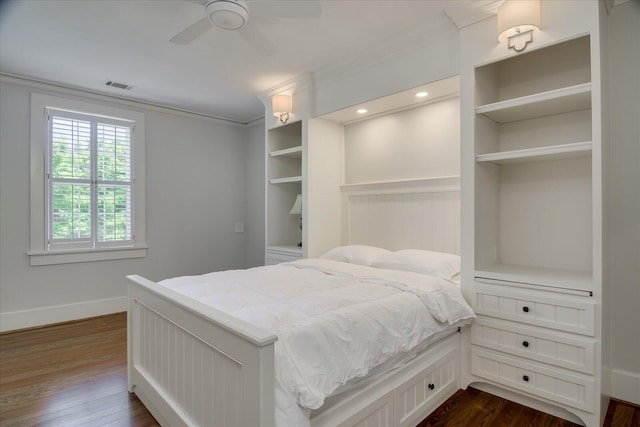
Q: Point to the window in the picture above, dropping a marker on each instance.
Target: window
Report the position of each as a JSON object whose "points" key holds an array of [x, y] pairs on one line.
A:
{"points": [[87, 199]]}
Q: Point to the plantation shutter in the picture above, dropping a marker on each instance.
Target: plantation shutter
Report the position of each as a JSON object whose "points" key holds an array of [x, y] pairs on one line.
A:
{"points": [[90, 181]]}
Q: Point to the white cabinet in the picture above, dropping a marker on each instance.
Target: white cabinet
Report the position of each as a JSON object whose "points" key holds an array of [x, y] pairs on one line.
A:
{"points": [[533, 236]]}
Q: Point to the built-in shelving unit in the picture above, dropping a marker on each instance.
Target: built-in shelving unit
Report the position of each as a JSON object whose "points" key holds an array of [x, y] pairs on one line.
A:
{"points": [[284, 182], [533, 172], [533, 193]]}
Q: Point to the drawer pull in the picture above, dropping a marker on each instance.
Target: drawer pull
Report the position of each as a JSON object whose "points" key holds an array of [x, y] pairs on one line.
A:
{"points": [[525, 343], [526, 378], [431, 386], [525, 309]]}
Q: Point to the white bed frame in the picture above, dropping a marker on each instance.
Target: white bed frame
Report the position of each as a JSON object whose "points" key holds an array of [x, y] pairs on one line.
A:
{"points": [[192, 365]]}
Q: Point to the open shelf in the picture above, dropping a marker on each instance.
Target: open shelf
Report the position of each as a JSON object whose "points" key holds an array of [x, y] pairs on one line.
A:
{"points": [[286, 249], [286, 180], [553, 152], [563, 100], [540, 276], [293, 152]]}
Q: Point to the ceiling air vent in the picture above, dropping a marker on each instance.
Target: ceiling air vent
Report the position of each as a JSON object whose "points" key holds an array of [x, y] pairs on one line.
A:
{"points": [[118, 85]]}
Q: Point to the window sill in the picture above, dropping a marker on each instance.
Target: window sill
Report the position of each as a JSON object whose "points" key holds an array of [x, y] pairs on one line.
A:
{"points": [[68, 257]]}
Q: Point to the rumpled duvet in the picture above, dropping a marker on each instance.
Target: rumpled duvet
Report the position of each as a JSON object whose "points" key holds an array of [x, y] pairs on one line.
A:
{"points": [[335, 321]]}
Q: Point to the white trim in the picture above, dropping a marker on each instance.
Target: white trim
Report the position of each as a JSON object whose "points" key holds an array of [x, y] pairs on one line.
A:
{"points": [[38, 238], [22, 319], [468, 14], [68, 257], [77, 91], [625, 386], [297, 84]]}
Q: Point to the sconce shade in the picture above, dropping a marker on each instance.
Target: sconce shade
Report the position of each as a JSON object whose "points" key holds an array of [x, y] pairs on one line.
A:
{"points": [[281, 104], [517, 16], [296, 209]]}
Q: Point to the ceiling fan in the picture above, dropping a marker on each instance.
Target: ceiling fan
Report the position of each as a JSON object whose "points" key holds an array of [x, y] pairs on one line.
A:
{"points": [[234, 15]]}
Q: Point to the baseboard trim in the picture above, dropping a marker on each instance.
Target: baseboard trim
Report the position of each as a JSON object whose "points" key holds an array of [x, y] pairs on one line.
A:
{"points": [[625, 386], [23, 319]]}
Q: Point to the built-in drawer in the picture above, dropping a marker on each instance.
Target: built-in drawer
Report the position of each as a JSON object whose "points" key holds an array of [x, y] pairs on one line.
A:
{"points": [[556, 348], [379, 413], [555, 384], [551, 310], [429, 388], [415, 391]]}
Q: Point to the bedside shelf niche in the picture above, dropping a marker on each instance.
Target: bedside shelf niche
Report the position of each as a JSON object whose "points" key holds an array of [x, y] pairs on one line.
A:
{"points": [[284, 150]]}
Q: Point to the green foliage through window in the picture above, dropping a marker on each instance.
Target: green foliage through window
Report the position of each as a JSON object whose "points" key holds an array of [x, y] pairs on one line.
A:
{"points": [[90, 180]]}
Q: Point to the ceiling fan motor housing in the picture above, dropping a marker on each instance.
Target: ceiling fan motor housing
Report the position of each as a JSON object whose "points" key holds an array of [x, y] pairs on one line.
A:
{"points": [[228, 14]]}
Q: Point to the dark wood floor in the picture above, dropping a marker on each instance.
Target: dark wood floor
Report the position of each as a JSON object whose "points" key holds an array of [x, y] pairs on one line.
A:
{"points": [[74, 374]]}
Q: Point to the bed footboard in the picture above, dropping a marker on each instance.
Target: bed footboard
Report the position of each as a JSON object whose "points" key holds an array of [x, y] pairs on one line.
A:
{"points": [[193, 365]]}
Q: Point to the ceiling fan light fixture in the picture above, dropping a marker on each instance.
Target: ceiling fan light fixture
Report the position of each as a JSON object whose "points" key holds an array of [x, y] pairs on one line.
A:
{"points": [[228, 14]]}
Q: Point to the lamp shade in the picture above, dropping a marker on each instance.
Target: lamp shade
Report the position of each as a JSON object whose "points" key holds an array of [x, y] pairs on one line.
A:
{"points": [[296, 209], [281, 104], [517, 16]]}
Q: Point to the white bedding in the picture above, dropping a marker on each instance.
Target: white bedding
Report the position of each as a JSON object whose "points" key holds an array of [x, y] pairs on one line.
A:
{"points": [[335, 321]]}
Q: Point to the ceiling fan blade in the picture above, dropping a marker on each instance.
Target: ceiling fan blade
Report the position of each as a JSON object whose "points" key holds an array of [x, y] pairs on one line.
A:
{"points": [[257, 39], [287, 9], [192, 32]]}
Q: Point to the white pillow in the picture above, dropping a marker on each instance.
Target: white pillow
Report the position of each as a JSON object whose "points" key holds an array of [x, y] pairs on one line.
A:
{"points": [[437, 264], [355, 254]]}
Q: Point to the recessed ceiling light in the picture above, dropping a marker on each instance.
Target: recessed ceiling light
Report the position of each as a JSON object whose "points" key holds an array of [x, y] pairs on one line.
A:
{"points": [[421, 94], [362, 111]]}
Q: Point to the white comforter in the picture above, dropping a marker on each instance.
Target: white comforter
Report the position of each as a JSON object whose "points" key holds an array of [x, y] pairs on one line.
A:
{"points": [[335, 321]]}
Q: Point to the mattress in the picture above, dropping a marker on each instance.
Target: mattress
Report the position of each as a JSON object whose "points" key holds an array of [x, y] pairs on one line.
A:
{"points": [[336, 323]]}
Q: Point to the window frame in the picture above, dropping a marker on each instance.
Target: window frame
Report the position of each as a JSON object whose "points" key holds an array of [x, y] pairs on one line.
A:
{"points": [[41, 252]]}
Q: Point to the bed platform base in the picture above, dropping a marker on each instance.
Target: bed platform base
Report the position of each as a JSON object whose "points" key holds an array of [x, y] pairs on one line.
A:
{"points": [[192, 365]]}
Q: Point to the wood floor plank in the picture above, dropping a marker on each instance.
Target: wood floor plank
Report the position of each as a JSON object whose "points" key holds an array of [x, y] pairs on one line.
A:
{"points": [[75, 374]]}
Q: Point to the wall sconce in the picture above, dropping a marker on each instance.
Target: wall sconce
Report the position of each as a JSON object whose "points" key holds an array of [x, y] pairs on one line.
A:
{"points": [[516, 21], [281, 106]]}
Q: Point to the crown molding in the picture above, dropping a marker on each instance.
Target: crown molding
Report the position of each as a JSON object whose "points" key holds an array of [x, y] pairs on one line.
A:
{"points": [[469, 13], [292, 86], [610, 4], [77, 91]]}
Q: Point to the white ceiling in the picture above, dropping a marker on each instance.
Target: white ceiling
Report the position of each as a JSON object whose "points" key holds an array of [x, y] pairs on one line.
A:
{"points": [[84, 43]]}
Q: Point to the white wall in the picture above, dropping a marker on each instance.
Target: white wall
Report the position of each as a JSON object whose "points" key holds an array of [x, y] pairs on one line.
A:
{"points": [[196, 182], [421, 142], [432, 56], [624, 73], [254, 173]]}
